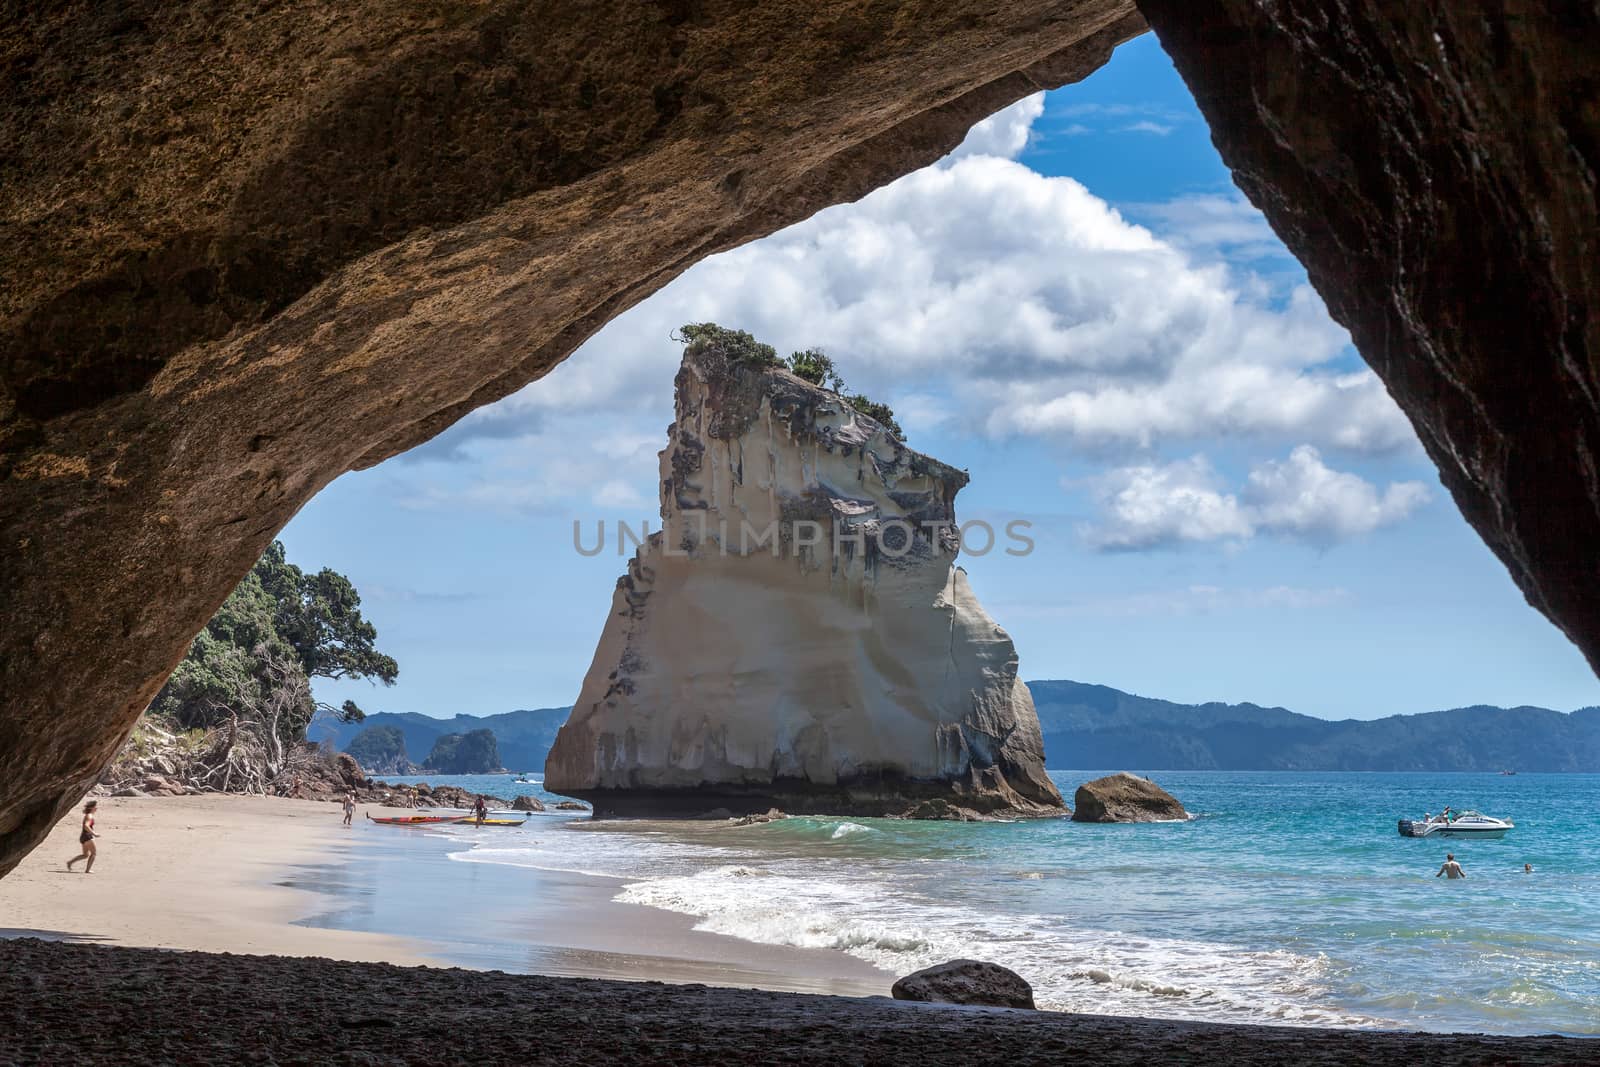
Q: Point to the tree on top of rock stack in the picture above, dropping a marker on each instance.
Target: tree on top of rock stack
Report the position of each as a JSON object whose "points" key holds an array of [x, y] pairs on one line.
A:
{"points": [[812, 365], [797, 635]]}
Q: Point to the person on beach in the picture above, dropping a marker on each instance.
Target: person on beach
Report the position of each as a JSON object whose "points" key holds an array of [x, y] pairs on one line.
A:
{"points": [[481, 810], [86, 836], [349, 807], [1451, 867]]}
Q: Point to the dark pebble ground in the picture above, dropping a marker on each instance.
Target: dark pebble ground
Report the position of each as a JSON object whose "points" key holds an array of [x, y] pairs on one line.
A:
{"points": [[79, 1004]]}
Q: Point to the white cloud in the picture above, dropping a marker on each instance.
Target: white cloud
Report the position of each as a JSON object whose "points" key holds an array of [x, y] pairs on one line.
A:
{"points": [[980, 296], [1183, 601], [1146, 126], [1003, 134], [1213, 222], [1151, 506], [1032, 302], [564, 463], [1301, 498]]}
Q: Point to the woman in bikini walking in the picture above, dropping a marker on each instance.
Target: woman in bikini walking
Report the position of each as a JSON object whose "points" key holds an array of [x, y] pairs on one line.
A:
{"points": [[86, 836]]}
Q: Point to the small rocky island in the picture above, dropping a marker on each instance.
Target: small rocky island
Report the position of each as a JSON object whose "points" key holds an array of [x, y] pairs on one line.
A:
{"points": [[1124, 797], [797, 635]]}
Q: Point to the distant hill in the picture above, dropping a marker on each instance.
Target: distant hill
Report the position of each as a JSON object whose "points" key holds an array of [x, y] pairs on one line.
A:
{"points": [[474, 752], [381, 750], [523, 736], [1095, 726]]}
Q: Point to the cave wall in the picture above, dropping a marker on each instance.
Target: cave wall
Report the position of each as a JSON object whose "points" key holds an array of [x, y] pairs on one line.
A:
{"points": [[250, 245], [1436, 167]]}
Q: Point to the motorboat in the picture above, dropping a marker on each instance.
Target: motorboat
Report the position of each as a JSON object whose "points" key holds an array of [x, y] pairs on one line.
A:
{"points": [[1457, 824]]}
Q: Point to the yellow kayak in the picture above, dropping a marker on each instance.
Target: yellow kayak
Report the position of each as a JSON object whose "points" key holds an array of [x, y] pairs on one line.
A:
{"points": [[470, 821]]}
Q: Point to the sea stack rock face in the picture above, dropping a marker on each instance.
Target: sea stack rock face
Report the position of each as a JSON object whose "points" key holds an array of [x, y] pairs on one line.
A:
{"points": [[1124, 797], [797, 636]]}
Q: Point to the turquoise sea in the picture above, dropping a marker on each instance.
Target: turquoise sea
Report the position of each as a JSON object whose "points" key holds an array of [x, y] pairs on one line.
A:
{"points": [[1288, 898]]}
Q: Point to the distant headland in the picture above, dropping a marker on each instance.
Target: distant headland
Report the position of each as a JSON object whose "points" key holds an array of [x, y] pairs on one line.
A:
{"points": [[1096, 726]]}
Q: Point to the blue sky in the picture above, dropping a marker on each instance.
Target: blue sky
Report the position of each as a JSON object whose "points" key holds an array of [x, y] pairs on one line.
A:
{"points": [[1079, 308]]}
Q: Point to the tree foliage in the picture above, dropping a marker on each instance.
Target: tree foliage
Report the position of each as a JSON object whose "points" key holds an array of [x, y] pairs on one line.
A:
{"points": [[736, 346], [279, 628], [474, 752], [813, 364], [816, 367], [379, 747], [880, 412], [319, 615]]}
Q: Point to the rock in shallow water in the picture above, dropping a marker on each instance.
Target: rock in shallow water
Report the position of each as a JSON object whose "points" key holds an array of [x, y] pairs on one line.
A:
{"points": [[966, 982], [1124, 797], [797, 636]]}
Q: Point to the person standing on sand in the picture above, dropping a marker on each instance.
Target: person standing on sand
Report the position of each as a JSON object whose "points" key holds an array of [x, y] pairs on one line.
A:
{"points": [[480, 809], [1451, 867], [349, 807], [86, 836]]}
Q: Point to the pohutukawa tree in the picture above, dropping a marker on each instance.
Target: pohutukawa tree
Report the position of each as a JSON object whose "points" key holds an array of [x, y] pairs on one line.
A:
{"points": [[277, 630]]}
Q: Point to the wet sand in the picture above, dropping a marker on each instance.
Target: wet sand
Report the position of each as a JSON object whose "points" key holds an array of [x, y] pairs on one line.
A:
{"points": [[260, 875]]}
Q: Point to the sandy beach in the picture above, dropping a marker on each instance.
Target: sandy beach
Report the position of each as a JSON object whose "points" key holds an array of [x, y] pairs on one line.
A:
{"points": [[199, 872], [267, 875]]}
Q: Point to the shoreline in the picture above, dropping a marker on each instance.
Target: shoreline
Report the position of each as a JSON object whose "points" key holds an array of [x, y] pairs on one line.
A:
{"points": [[280, 880], [275, 876]]}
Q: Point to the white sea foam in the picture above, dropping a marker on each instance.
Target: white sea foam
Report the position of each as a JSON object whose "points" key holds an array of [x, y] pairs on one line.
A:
{"points": [[874, 911], [873, 919]]}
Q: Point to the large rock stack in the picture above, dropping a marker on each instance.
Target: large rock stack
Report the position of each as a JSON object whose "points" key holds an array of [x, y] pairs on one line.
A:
{"points": [[797, 635]]}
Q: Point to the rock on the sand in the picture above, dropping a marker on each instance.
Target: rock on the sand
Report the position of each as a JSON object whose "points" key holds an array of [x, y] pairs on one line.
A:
{"points": [[966, 982], [527, 803], [1124, 797]]}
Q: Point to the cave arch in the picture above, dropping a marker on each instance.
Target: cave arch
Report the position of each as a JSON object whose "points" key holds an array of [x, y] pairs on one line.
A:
{"points": [[249, 250]]}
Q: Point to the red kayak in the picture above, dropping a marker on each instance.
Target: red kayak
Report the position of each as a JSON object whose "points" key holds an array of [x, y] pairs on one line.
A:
{"points": [[414, 820]]}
